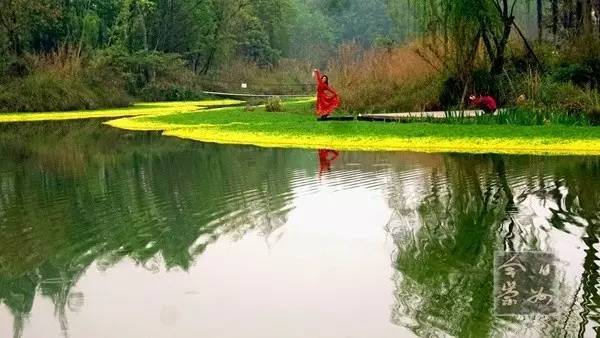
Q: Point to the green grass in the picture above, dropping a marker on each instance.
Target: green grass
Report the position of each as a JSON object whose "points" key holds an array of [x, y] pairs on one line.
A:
{"points": [[297, 127]]}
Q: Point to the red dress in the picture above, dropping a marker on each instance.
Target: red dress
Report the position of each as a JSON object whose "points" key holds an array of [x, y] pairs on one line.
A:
{"points": [[327, 98]]}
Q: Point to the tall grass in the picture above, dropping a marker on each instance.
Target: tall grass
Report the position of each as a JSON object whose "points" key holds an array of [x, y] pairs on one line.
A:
{"points": [[385, 80], [558, 102], [61, 81], [516, 116]]}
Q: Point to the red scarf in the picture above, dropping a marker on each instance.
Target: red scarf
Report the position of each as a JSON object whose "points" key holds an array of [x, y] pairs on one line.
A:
{"points": [[327, 98]]}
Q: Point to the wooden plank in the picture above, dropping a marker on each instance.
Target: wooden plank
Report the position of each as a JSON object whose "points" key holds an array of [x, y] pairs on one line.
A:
{"points": [[417, 115], [336, 118], [250, 95], [403, 117]]}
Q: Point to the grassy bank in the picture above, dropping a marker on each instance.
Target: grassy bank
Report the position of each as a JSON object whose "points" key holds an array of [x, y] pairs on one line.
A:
{"points": [[297, 127], [154, 108]]}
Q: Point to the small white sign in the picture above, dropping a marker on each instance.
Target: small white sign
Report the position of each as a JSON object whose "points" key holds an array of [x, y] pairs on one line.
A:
{"points": [[244, 85]]}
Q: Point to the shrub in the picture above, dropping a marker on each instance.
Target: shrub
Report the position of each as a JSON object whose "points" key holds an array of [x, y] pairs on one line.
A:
{"points": [[152, 76], [274, 104], [390, 79], [59, 82], [566, 96], [49, 92], [451, 92], [559, 102], [594, 116], [528, 116], [581, 74], [480, 83]]}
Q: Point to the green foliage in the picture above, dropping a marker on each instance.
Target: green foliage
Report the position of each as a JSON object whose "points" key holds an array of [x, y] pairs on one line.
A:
{"points": [[50, 91], [130, 30], [287, 77], [153, 76], [314, 36], [22, 20], [565, 97], [519, 116], [255, 46], [533, 116], [451, 92], [481, 83], [585, 74], [319, 28]]}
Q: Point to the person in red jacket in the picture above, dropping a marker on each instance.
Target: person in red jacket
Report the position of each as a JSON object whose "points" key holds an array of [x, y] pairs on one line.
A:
{"points": [[327, 98], [485, 103]]}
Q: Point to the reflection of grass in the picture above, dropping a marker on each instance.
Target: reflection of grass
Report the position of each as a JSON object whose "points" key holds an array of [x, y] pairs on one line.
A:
{"points": [[84, 144], [137, 109], [297, 127]]}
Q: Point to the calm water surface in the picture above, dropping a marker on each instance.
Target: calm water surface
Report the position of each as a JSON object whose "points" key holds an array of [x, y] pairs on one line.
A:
{"points": [[105, 233]]}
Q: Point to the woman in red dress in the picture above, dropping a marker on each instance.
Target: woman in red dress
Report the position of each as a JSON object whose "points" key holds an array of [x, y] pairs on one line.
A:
{"points": [[327, 98]]}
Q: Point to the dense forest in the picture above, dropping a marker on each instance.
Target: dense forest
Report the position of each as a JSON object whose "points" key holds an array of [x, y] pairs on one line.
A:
{"points": [[382, 54], [88, 53]]}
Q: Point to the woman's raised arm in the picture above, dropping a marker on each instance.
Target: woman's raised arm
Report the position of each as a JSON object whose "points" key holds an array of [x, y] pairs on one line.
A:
{"points": [[317, 75]]}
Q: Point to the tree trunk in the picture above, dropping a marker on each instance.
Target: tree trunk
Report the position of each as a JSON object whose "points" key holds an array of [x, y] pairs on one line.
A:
{"points": [[11, 23], [540, 19], [16, 43], [555, 19], [209, 61], [587, 16], [579, 15], [498, 64]]}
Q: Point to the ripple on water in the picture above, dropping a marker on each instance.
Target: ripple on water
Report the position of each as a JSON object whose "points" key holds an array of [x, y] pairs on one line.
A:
{"points": [[166, 206]]}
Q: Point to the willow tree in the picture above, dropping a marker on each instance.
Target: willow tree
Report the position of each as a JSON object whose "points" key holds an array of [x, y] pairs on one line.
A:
{"points": [[460, 26]]}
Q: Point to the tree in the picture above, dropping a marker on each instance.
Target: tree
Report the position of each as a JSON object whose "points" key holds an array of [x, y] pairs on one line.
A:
{"points": [[18, 17], [313, 37], [540, 19], [130, 30], [464, 24]]}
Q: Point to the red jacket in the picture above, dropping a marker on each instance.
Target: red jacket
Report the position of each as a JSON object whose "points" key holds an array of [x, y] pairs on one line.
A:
{"points": [[485, 103]]}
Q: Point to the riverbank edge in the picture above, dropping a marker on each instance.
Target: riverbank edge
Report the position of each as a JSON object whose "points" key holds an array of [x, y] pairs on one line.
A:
{"points": [[430, 143], [138, 109], [139, 118]]}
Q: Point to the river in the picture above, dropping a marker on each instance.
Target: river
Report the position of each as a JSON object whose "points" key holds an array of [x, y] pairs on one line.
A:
{"points": [[106, 233]]}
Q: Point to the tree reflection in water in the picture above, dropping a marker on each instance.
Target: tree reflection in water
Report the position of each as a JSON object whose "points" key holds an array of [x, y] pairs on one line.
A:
{"points": [[474, 205], [105, 195]]}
